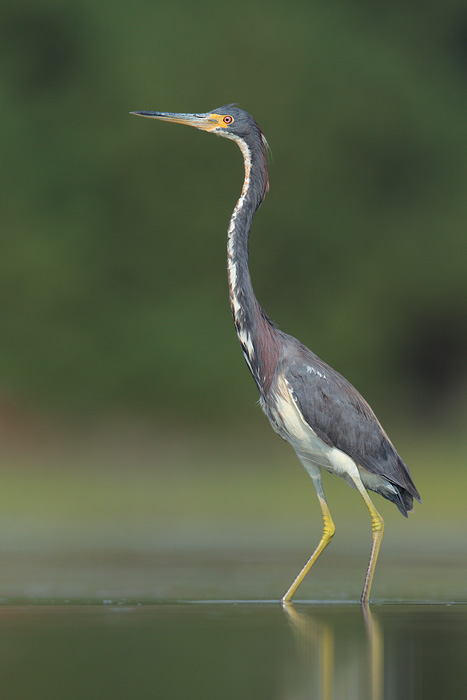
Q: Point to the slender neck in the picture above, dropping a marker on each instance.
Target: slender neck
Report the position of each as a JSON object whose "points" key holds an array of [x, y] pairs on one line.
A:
{"points": [[255, 332]]}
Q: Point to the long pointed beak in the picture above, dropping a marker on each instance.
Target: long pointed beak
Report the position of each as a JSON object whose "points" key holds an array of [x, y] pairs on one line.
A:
{"points": [[206, 121]]}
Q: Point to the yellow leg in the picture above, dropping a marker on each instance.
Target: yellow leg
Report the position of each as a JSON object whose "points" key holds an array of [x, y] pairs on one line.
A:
{"points": [[377, 526], [328, 533]]}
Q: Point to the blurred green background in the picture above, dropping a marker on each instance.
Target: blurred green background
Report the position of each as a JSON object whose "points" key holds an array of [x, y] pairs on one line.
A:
{"points": [[124, 398]]}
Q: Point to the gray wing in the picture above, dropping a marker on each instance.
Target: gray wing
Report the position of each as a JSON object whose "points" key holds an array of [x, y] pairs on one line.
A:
{"points": [[342, 418]]}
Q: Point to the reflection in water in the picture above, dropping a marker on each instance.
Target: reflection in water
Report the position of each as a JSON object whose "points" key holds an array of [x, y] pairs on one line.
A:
{"points": [[321, 671], [316, 648], [233, 651], [376, 653]]}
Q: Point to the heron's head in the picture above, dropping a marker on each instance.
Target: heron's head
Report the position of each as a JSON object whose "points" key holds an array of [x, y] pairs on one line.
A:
{"points": [[228, 121], [232, 123]]}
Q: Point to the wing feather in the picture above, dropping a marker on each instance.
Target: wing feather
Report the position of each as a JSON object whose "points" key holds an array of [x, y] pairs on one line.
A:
{"points": [[341, 417]]}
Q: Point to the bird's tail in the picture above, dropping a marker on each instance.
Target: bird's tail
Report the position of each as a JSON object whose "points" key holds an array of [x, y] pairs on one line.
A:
{"points": [[402, 499]]}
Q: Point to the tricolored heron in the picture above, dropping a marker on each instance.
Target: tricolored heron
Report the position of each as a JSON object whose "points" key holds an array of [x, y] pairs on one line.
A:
{"points": [[324, 418]]}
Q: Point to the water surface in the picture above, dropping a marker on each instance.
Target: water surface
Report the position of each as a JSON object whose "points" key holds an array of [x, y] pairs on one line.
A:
{"points": [[234, 650]]}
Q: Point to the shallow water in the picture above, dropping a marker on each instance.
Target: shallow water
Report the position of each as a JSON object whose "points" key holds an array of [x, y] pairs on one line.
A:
{"points": [[234, 650], [100, 574], [126, 618]]}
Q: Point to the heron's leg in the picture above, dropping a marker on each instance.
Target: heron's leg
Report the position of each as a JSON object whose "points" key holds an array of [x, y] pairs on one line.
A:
{"points": [[377, 526], [328, 533]]}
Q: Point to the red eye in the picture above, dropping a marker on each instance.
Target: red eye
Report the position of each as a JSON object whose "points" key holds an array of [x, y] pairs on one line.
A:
{"points": [[228, 119]]}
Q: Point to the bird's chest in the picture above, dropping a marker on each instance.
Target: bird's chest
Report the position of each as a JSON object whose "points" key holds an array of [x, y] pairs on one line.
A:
{"points": [[287, 420]]}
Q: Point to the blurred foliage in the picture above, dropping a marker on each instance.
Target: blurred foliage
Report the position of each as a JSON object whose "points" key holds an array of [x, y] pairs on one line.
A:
{"points": [[112, 265]]}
